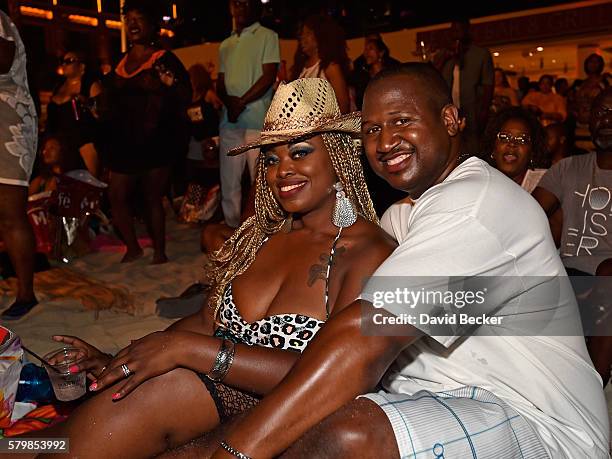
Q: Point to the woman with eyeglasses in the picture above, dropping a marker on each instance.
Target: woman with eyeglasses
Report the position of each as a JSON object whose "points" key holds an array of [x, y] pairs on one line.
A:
{"points": [[70, 114], [517, 143]]}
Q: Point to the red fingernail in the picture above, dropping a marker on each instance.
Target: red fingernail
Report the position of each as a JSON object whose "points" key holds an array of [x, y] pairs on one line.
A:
{"points": [[94, 386], [74, 369], [116, 396]]}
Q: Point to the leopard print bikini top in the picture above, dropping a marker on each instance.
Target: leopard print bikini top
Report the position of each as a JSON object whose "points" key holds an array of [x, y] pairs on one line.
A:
{"points": [[290, 332]]}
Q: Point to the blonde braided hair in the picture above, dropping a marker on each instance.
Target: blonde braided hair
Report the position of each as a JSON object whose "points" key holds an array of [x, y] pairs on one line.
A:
{"points": [[239, 251]]}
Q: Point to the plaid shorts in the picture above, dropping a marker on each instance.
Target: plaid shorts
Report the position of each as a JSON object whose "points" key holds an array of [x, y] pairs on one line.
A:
{"points": [[468, 422]]}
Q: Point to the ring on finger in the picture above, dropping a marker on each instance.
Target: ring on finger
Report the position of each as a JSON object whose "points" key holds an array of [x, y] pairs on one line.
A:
{"points": [[126, 370]]}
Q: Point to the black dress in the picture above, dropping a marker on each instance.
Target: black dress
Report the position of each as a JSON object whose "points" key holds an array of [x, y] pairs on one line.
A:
{"points": [[144, 122], [73, 124]]}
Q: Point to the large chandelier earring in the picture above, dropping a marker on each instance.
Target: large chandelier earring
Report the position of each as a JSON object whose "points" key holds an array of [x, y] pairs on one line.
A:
{"points": [[344, 212]]}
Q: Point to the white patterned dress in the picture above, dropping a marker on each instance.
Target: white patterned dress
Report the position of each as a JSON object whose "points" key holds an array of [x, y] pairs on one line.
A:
{"points": [[18, 121]]}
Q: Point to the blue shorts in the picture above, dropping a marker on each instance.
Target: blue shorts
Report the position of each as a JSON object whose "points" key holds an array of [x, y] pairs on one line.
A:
{"points": [[468, 422]]}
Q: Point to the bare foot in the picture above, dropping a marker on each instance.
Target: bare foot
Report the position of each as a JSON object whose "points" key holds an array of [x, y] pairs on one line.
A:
{"points": [[159, 259], [132, 256]]}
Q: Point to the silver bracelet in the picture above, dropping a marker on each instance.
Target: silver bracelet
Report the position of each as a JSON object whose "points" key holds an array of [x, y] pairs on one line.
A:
{"points": [[223, 361], [233, 451]]}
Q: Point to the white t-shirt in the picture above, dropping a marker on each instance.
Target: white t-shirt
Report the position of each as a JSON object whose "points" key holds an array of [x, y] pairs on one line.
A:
{"points": [[479, 223]]}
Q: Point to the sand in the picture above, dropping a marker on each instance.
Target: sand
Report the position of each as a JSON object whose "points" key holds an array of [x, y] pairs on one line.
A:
{"points": [[111, 330]]}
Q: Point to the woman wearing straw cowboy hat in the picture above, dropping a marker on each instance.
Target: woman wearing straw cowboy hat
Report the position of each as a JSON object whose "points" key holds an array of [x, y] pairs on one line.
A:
{"points": [[300, 259]]}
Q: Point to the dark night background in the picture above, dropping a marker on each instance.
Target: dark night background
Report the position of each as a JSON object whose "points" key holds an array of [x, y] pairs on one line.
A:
{"points": [[201, 21]]}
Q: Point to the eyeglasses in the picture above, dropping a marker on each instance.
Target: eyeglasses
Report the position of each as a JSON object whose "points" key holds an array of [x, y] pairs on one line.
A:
{"points": [[70, 60], [506, 137]]}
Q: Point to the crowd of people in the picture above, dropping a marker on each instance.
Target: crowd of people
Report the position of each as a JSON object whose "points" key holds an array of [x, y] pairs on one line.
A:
{"points": [[453, 159]]}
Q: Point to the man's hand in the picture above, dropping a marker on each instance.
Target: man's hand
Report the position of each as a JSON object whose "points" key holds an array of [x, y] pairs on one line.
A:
{"points": [[235, 106]]}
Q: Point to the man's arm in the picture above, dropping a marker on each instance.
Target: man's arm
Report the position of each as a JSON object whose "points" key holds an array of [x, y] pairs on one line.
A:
{"points": [[236, 105], [259, 88], [221, 91], [232, 103], [338, 365], [546, 199]]}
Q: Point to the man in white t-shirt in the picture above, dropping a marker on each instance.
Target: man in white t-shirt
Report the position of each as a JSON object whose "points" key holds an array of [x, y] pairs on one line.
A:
{"points": [[520, 386], [248, 61]]}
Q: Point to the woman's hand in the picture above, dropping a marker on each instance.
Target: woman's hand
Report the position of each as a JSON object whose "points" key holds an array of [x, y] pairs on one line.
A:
{"points": [[166, 76], [150, 356], [95, 361]]}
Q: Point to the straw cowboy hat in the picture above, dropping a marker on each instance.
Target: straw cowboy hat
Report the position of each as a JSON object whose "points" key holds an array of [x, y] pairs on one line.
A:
{"points": [[302, 108]]}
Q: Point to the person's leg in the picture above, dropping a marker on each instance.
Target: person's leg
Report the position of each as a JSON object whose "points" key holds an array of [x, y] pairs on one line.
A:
{"points": [[204, 446], [465, 422], [252, 135], [359, 429], [18, 236], [90, 158], [163, 413], [155, 184], [120, 191], [248, 207], [231, 168]]}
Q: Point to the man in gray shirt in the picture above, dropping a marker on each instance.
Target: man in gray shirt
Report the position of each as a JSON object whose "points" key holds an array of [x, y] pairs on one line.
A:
{"points": [[582, 187]]}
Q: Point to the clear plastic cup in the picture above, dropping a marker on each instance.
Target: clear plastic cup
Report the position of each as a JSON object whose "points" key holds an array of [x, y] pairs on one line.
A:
{"points": [[67, 386]]}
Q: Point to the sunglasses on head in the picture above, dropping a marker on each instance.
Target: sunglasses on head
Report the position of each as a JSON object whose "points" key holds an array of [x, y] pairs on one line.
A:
{"points": [[506, 137], [70, 60]]}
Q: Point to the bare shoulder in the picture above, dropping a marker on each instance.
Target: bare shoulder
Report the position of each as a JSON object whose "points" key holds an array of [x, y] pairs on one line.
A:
{"points": [[367, 247], [368, 242], [333, 71]]}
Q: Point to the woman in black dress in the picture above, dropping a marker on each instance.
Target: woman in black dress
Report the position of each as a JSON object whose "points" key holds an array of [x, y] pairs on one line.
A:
{"points": [[70, 117], [143, 111]]}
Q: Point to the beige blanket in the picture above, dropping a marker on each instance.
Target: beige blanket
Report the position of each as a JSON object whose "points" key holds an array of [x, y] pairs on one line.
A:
{"points": [[58, 283]]}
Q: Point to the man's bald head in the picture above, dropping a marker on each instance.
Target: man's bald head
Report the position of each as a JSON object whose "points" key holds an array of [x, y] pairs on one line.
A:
{"points": [[429, 81], [410, 129]]}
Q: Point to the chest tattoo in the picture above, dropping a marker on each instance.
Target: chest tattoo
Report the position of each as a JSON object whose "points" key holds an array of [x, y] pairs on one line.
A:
{"points": [[318, 270]]}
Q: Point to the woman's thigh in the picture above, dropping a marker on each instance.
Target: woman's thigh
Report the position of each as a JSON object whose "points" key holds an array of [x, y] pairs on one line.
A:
{"points": [[164, 412], [121, 187], [155, 182], [13, 203]]}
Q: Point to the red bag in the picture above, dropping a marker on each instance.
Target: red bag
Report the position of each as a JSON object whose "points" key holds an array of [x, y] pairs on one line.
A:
{"points": [[43, 223], [199, 203]]}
